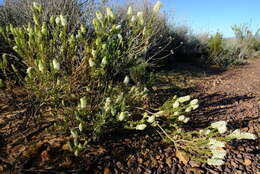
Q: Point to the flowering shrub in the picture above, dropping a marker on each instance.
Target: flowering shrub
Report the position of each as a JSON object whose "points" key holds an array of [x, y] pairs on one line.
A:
{"points": [[92, 85]]}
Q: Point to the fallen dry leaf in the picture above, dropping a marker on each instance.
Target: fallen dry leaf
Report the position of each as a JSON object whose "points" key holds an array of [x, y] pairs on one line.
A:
{"points": [[196, 170], [247, 162], [107, 171], [45, 156], [181, 155]]}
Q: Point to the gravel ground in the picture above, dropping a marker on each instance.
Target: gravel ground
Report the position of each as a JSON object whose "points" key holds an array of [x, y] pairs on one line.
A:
{"points": [[232, 96]]}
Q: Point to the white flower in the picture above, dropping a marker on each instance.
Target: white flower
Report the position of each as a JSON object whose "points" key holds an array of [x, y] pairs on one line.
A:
{"points": [[133, 19], [205, 131], [238, 134], [118, 27], [91, 62], [157, 7], [218, 153], [83, 28], [247, 135], [83, 102], [63, 20], [80, 127], [146, 90], [186, 120], [40, 66], [15, 48], [215, 144], [140, 16], [29, 70], [140, 127], [145, 115], [107, 104], [176, 104], [74, 133], [194, 107], [104, 46], [37, 6], [56, 64], [52, 19], [188, 109], [220, 125], [58, 83], [44, 28], [57, 20], [144, 30], [94, 53], [99, 15], [151, 119], [176, 113], [159, 114], [215, 162], [113, 111], [181, 117], [122, 116], [130, 11], [120, 38], [184, 99], [110, 13], [194, 102], [126, 80], [104, 61]]}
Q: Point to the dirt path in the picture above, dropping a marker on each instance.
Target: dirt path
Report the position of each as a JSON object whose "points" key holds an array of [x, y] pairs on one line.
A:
{"points": [[234, 96], [244, 80]]}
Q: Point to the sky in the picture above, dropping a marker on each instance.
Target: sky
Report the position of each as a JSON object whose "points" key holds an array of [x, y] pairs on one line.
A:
{"points": [[213, 15]]}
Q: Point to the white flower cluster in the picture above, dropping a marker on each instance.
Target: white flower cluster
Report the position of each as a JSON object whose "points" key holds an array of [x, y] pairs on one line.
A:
{"points": [[180, 107], [238, 134], [37, 6], [183, 119], [29, 71], [157, 7], [123, 115], [216, 147], [107, 104], [218, 153], [83, 102], [147, 119], [56, 64], [140, 126], [110, 13], [130, 11], [221, 126], [41, 66], [61, 20]]}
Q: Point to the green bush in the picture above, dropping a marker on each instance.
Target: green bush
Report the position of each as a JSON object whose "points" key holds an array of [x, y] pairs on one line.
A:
{"points": [[247, 42], [65, 66], [215, 44]]}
